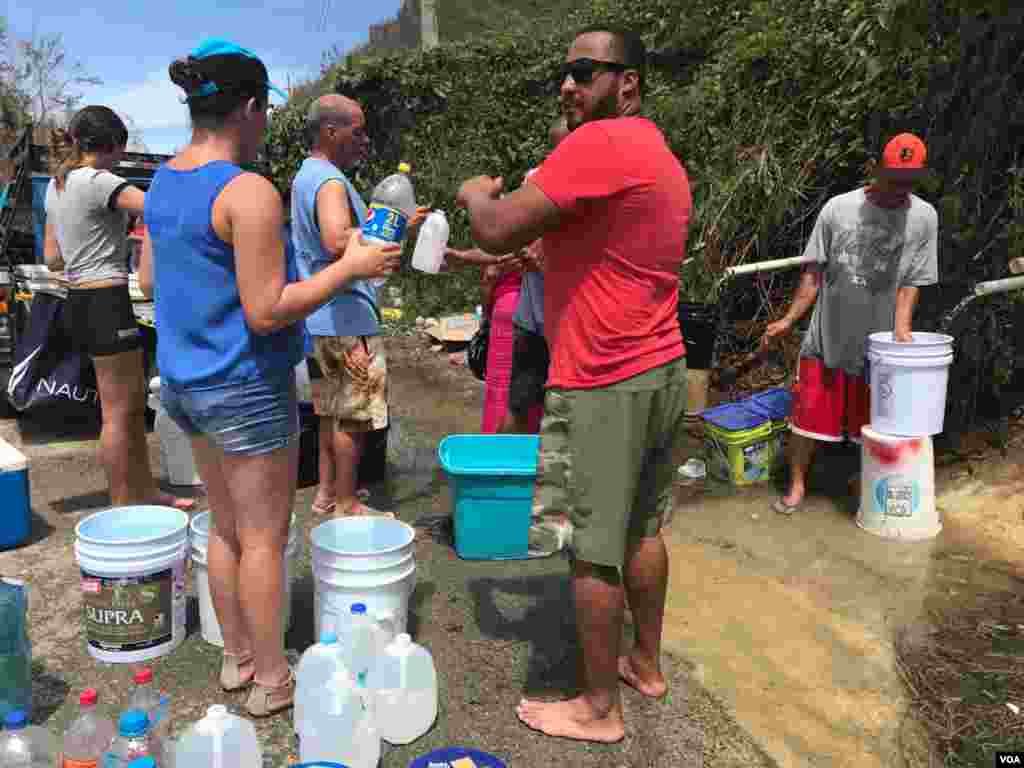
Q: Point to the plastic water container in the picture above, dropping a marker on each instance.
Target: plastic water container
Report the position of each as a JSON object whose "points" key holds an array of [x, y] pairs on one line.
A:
{"points": [[431, 244], [321, 661], [392, 205], [147, 698], [358, 642], [338, 726], [491, 479], [739, 444], [133, 741], [16, 520], [89, 735], [178, 467], [26, 746], [909, 382], [219, 740], [898, 486], [15, 648], [403, 683]]}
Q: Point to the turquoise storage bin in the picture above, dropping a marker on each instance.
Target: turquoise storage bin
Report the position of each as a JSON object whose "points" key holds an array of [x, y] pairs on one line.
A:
{"points": [[491, 478]]}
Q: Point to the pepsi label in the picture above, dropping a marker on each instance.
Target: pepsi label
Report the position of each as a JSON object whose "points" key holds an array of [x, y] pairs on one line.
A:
{"points": [[385, 224]]}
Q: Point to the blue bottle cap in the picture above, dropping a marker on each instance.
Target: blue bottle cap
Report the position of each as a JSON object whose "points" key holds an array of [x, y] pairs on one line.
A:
{"points": [[143, 762], [15, 720], [328, 638], [358, 608], [134, 722]]}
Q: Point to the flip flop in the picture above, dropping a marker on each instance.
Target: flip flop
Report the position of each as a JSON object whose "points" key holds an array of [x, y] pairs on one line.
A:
{"points": [[322, 510], [785, 509]]}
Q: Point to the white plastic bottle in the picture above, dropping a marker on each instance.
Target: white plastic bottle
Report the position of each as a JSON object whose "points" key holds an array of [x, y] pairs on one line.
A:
{"points": [[219, 740], [403, 683], [89, 736], [320, 662], [147, 697], [359, 643], [431, 244], [392, 205], [26, 746], [338, 725]]}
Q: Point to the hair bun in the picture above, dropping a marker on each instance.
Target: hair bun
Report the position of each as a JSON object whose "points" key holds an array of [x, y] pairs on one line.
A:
{"points": [[186, 75]]}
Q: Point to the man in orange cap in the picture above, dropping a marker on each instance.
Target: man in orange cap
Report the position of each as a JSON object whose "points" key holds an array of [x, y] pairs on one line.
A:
{"points": [[872, 249]]}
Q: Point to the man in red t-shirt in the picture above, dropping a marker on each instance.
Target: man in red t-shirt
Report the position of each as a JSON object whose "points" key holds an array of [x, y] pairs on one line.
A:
{"points": [[613, 206]]}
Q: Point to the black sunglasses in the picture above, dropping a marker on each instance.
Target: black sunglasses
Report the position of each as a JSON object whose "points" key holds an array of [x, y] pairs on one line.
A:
{"points": [[582, 71]]}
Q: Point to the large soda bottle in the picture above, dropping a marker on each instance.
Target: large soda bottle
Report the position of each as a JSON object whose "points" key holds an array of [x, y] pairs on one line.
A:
{"points": [[391, 207], [15, 649], [26, 746], [133, 741], [89, 736], [147, 697]]}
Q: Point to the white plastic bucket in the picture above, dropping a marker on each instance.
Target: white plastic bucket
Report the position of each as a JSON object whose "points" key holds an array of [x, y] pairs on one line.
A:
{"points": [[898, 486], [366, 560], [209, 626], [132, 561], [176, 462], [909, 382]]}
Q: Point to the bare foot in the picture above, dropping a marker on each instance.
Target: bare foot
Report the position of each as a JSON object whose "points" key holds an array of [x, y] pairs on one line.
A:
{"points": [[322, 508], [642, 676], [180, 503], [793, 498], [572, 719], [358, 509]]}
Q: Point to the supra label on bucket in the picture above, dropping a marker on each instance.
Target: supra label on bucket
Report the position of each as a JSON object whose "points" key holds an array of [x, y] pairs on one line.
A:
{"points": [[131, 613]]}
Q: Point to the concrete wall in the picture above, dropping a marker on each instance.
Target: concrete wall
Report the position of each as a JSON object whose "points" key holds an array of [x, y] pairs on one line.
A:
{"points": [[415, 25]]}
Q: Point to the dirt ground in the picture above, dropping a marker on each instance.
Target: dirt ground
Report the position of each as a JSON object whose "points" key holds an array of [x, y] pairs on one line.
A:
{"points": [[497, 630]]}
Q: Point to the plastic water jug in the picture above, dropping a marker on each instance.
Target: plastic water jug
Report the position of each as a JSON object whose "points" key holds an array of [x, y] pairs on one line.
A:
{"points": [[431, 244], [15, 649], [133, 741], [26, 746], [320, 662], [89, 736], [403, 683], [359, 642], [338, 726], [391, 207], [219, 740]]}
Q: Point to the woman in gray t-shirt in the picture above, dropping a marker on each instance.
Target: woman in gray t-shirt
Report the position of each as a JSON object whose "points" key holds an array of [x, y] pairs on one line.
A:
{"points": [[87, 209]]}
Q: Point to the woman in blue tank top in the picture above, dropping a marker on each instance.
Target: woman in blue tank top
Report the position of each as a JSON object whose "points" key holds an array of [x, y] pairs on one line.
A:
{"points": [[227, 318]]}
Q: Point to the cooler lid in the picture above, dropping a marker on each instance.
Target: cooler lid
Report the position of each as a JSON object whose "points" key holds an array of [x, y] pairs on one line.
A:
{"points": [[11, 459], [773, 404], [733, 417]]}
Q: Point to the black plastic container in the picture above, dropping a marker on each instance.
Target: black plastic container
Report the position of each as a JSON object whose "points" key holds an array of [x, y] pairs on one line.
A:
{"points": [[699, 323]]}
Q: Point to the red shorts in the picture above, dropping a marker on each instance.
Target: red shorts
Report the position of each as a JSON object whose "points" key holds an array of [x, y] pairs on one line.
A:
{"points": [[829, 403]]}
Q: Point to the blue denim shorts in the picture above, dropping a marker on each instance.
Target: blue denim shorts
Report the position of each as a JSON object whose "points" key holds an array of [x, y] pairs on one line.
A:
{"points": [[242, 418]]}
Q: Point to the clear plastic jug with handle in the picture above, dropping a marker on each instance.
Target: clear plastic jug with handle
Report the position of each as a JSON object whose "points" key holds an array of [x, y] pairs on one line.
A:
{"points": [[338, 725], [219, 740], [431, 244], [320, 662], [403, 684]]}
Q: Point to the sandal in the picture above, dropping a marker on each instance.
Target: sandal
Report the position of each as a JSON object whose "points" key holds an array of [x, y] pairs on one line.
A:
{"points": [[266, 700], [323, 510], [783, 508], [231, 678]]}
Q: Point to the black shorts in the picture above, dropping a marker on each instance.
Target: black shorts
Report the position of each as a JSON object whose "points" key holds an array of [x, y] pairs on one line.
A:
{"points": [[101, 322], [530, 361]]}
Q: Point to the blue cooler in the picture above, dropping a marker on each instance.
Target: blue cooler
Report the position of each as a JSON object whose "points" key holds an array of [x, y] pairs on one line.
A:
{"points": [[15, 509]]}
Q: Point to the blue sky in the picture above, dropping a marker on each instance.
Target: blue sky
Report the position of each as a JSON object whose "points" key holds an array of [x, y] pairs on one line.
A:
{"points": [[130, 44]]}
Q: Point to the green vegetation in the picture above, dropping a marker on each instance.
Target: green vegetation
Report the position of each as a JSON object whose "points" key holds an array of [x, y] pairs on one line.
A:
{"points": [[772, 106]]}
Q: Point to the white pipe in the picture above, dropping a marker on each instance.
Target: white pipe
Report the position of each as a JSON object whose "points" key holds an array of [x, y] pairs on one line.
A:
{"points": [[768, 266], [999, 286]]}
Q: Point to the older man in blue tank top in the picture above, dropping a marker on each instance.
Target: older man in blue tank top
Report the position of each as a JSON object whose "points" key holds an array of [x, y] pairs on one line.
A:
{"points": [[349, 369]]}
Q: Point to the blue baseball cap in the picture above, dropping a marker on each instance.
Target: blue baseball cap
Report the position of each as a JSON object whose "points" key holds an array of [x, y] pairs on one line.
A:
{"points": [[218, 46]]}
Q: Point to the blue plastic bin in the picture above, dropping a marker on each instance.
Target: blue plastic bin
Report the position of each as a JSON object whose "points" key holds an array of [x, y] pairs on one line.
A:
{"points": [[491, 479], [449, 755], [16, 515], [733, 417]]}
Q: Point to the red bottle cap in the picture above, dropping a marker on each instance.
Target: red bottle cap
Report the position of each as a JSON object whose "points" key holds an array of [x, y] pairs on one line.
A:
{"points": [[88, 698], [144, 676]]}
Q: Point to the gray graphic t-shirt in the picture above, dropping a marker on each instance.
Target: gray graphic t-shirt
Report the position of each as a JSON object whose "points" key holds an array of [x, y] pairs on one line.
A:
{"points": [[867, 253]]}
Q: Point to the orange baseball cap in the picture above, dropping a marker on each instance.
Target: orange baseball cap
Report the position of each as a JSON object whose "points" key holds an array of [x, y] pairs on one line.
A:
{"points": [[905, 155]]}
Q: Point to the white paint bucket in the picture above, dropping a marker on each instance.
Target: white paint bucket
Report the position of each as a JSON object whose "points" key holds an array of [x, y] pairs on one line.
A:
{"points": [[897, 486], [908, 383], [177, 465], [132, 561], [209, 626], [366, 560]]}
